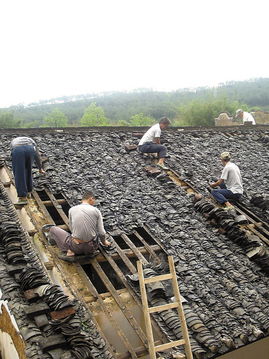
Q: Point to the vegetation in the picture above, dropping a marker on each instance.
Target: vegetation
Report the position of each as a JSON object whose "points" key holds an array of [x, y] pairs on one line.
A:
{"points": [[55, 119], [185, 107], [94, 116], [203, 113], [8, 120]]}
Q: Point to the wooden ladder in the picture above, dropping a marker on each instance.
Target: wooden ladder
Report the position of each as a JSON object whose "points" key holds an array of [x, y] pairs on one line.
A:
{"points": [[148, 310]]}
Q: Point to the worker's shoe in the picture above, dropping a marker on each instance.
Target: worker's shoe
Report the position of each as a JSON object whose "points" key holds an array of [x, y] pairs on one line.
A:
{"points": [[29, 195], [22, 201], [228, 208], [47, 227], [162, 166]]}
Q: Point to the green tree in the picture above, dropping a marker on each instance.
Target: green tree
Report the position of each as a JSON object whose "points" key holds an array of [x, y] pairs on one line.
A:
{"points": [[55, 119], [7, 120], [203, 113], [141, 120], [94, 116]]}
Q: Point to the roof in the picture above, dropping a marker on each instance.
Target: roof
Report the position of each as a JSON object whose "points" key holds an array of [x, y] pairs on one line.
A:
{"points": [[225, 289]]}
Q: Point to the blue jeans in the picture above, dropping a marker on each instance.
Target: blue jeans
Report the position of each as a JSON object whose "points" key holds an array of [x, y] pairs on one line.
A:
{"points": [[223, 194], [150, 147], [22, 162]]}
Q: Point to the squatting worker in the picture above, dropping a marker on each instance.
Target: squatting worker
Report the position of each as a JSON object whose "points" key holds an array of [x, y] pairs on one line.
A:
{"points": [[230, 182], [150, 142], [87, 229], [24, 152], [245, 116]]}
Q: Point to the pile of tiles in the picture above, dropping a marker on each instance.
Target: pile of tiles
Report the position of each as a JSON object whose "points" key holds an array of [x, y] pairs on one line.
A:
{"points": [[231, 228], [226, 290], [261, 201]]}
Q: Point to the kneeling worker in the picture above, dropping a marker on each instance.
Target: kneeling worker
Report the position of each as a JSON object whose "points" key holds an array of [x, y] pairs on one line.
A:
{"points": [[150, 142], [230, 182], [86, 224]]}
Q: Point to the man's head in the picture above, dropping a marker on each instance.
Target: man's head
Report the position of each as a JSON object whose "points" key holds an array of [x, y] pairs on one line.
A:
{"points": [[225, 157], [164, 123], [88, 197], [239, 113]]}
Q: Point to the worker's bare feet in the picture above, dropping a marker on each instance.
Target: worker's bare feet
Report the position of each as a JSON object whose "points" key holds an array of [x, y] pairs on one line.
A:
{"points": [[70, 253], [106, 243]]}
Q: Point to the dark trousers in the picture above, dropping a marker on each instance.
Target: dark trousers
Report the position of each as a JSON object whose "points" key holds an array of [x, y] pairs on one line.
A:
{"points": [[223, 194], [150, 147], [22, 162]]}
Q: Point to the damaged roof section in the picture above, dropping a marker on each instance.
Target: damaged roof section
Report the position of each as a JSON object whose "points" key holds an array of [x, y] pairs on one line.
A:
{"points": [[50, 323]]}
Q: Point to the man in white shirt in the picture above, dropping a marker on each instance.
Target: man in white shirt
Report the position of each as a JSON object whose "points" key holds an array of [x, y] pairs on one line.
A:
{"points": [[245, 116], [230, 182], [86, 224], [150, 142]]}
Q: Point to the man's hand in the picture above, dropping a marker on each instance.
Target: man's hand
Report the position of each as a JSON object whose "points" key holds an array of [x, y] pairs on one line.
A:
{"points": [[106, 243], [42, 171], [212, 185]]}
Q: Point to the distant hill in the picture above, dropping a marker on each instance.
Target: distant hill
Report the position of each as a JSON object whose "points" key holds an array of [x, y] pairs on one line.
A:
{"points": [[120, 106]]}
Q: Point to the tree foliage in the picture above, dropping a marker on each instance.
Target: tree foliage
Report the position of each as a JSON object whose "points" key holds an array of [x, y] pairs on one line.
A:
{"points": [[94, 116], [8, 120], [203, 113], [120, 107], [55, 119], [141, 120]]}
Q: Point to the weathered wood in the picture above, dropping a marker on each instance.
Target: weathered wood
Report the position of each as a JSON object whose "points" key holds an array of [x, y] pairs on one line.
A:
{"points": [[128, 315], [169, 345], [178, 305], [133, 248], [180, 310], [144, 299], [113, 322], [147, 247], [158, 278], [161, 308], [59, 210]]}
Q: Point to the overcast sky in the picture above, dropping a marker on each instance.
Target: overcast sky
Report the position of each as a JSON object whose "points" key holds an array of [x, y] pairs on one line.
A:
{"points": [[51, 48]]}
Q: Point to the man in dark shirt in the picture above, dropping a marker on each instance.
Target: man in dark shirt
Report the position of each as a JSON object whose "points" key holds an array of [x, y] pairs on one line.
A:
{"points": [[24, 152]]}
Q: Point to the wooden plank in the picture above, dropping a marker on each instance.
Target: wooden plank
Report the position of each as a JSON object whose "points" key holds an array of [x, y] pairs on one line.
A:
{"points": [[147, 246], [144, 298], [169, 345], [158, 278], [108, 313], [161, 308], [56, 205], [125, 259], [147, 230], [134, 248], [257, 233], [128, 253], [42, 207], [128, 315], [129, 288], [49, 203], [180, 310]]}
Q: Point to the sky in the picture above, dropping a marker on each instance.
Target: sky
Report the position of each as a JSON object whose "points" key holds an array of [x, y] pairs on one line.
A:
{"points": [[52, 48]]}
